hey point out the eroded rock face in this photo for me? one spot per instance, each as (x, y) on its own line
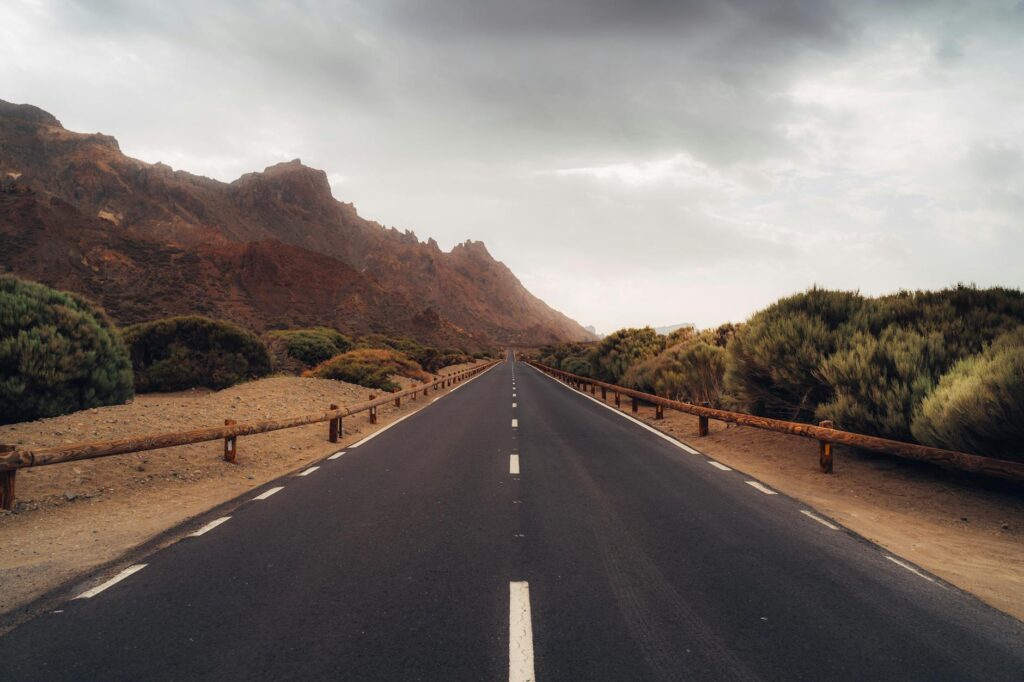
(268, 250)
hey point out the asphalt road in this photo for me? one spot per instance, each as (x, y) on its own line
(600, 551)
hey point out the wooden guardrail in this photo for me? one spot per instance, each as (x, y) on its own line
(824, 433)
(12, 459)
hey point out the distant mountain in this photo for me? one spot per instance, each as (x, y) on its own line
(269, 250)
(672, 327)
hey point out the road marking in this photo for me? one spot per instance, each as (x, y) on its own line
(308, 471)
(520, 634)
(515, 423)
(89, 594)
(268, 493)
(513, 464)
(718, 465)
(656, 432)
(336, 455)
(762, 488)
(910, 568)
(380, 431)
(812, 515)
(210, 526)
(513, 395)
(513, 404)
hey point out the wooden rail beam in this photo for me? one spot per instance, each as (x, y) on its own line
(988, 466)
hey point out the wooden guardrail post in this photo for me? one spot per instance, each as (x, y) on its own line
(332, 426)
(398, 401)
(825, 450)
(230, 443)
(7, 480)
(659, 411)
(373, 411)
(702, 421)
(636, 405)
(604, 393)
(618, 402)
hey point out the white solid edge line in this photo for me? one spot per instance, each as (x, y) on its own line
(513, 464)
(268, 493)
(89, 594)
(656, 432)
(515, 423)
(718, 465)
(760, 486)
(308, 471)
(208, 527)
(520, 633)
(336, 455)
(903, 564)
(824, 522)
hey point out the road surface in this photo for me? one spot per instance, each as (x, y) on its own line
(517, 530)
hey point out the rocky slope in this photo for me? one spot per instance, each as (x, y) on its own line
(269, 250)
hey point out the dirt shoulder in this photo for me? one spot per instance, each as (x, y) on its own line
(965, 530)
(71, 518)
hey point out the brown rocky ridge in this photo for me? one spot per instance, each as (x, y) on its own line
(269, 250)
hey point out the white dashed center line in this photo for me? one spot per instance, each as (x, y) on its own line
(812, 515)
(89, 594)
(513, 404)
(515, 423)
(210, 526)
(520, 634)
(513, 464)
(308, 471)
(268, 493)
(718, 465)
(762, 488)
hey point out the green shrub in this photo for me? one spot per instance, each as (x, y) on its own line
(978, 405)
(308, 347)
(773, 363)
(693, 371)
(617, 352)
(177, 353)
(430, 359)
(370, 367)
(58, 354)
(877, 383)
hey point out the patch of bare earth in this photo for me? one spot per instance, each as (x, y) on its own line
(71, 518)
(968, 531)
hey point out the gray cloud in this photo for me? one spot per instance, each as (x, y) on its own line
(742, 149)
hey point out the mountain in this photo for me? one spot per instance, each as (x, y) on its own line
(269, 250)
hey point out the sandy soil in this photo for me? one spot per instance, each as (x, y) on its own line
(968, 531)
(72, 518)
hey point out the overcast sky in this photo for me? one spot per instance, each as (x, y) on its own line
(632, 162)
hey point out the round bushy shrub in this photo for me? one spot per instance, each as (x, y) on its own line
(618, 351)
(978, 405)
(178, 353)
(693, 370)
(878, 382)
(58, 354)
(308, 347)
(773, 363)
(370, 367)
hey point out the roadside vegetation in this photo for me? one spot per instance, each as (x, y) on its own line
(179, 353)
(58, 353)
(293, 350)
(943, 368)
(371, 367)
